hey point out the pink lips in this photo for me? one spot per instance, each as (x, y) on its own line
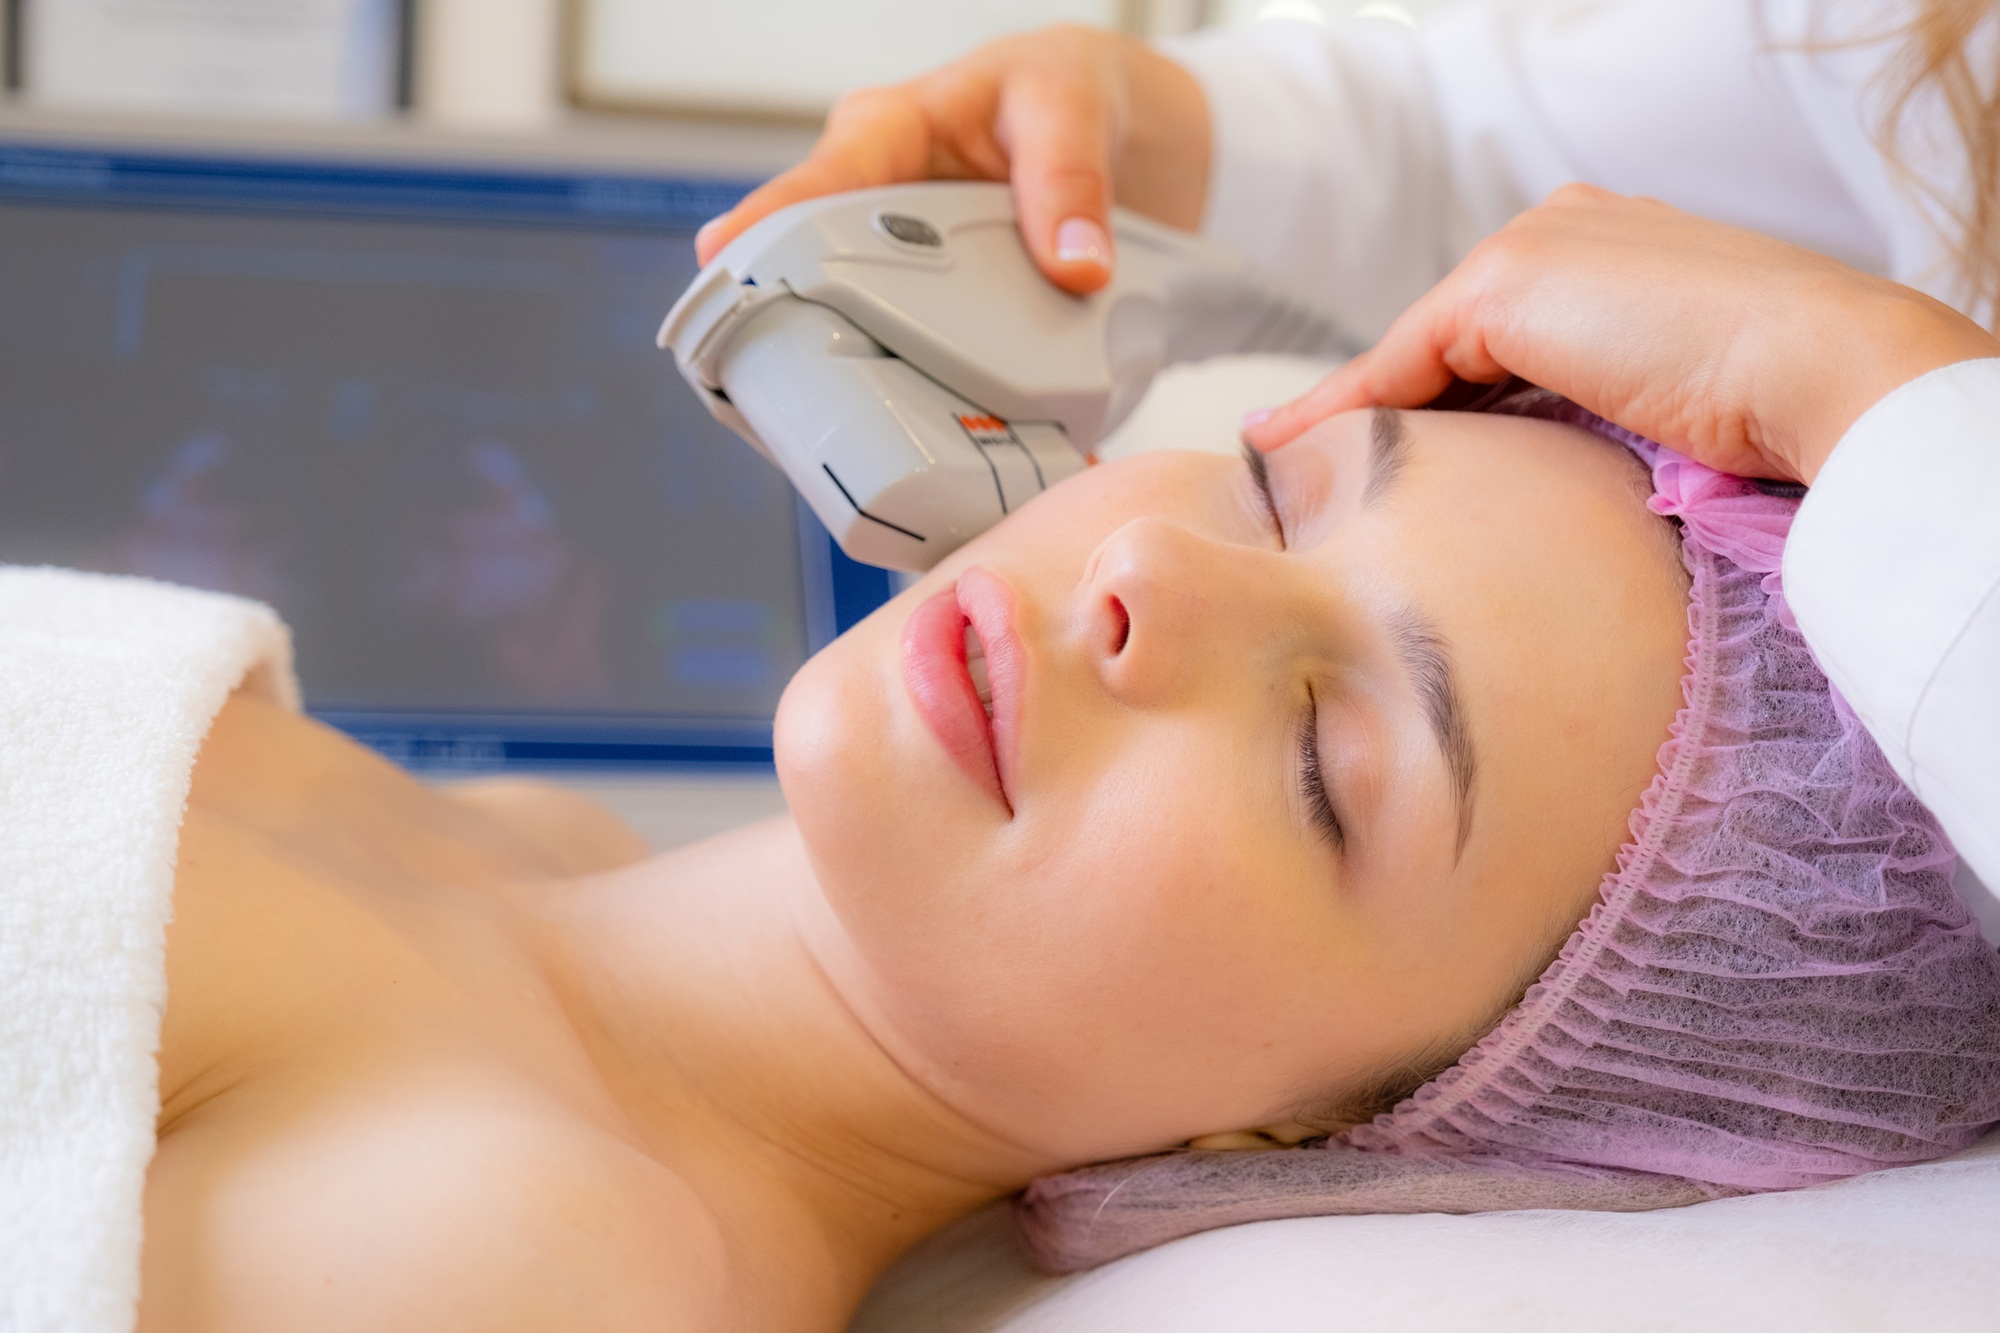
(940, 682)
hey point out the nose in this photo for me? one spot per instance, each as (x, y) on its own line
(1159, 601)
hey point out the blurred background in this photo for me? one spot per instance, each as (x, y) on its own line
(348, 305)
(523, 65)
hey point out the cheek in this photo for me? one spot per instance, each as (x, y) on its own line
(1049, 541)
(827, 771)
(1120, 975)
(1171, 955)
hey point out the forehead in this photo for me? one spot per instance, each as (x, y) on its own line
(1516, 535)
(1522, 540)
(1456, 466)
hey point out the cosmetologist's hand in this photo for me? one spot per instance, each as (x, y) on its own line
(1073, 116)
(1746, 353)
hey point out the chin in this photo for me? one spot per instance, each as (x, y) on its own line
(853, 779)
(817, 740)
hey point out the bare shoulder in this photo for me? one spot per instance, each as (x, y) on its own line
(276, 769)
(572, 833)
(460, 1203)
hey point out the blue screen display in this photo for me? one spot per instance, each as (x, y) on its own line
(421, 413)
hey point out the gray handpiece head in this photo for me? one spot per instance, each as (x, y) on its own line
(899, 356)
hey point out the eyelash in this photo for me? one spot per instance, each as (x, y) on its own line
(1260, 473)
(1312, 779)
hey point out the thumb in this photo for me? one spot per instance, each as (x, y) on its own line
(1058, 140)
(818, 175)
(878, 136)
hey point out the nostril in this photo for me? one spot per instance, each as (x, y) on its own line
(1122, 622)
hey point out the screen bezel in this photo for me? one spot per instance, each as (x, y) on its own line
(836, 591)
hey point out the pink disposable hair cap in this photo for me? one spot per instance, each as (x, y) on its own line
(1777, 986)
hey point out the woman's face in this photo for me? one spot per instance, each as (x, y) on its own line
(1276, 799)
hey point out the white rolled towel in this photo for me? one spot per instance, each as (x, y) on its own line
(107, 687)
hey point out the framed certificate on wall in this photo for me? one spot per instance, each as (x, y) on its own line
(788, 58)
(298, 59)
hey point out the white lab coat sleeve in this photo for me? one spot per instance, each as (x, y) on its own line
(1362, 160)
(1327, 161)
(1893, 570)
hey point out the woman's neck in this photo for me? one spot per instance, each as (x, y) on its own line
(744, 1071)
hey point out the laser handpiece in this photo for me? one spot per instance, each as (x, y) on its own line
(899, 356)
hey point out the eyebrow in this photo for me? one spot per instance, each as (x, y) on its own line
(1426, 657)
(1388, 453)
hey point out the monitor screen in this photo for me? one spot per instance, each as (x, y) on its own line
(421, 413)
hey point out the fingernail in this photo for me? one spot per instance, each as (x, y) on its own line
(1257, 417)
(1081, 241)
(708, 229)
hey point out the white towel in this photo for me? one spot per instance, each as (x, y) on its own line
(107, 687)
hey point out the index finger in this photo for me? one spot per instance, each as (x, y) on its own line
(1343, 390)
(1436, 341)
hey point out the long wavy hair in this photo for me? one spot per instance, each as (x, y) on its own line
(1945, 54)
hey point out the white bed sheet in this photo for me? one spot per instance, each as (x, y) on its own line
(1916, 1248)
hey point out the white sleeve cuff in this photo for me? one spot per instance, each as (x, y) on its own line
(1893, 570)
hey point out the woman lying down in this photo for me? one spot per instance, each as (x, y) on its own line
(1445, 803)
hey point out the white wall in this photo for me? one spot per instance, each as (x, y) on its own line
(1245, 11)
(497, 63)
(490, 64)
(789, 57)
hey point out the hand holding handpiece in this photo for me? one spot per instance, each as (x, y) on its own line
(1748, 354)
(1073, 117)
(896, 353)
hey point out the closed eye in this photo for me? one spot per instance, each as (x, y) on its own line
(1260, 475)
(1312, 780)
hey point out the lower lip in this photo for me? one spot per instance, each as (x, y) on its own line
(940, 685)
